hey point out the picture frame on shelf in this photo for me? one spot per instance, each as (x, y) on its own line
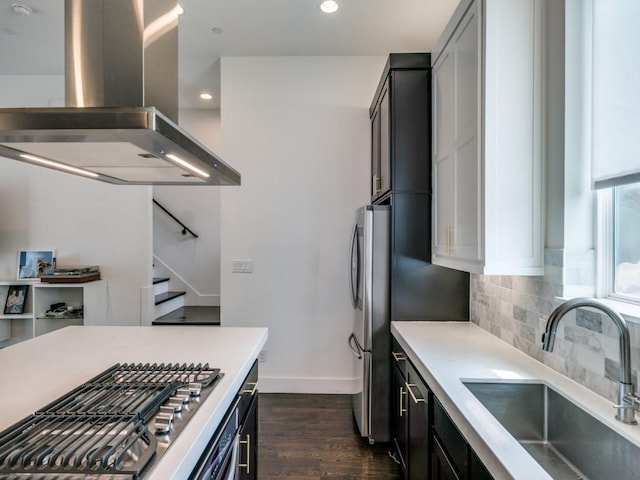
(16, 299)
(33, 264)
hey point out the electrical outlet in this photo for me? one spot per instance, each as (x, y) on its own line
(262, 356)
(242, 266)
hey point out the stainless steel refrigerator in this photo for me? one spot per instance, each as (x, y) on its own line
(391, 278)
(370, 283)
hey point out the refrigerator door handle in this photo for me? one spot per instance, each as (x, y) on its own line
(354, 266)
(355, 349)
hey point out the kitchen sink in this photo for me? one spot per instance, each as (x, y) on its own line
(564, 439)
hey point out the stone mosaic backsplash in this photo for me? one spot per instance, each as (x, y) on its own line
(516, 309)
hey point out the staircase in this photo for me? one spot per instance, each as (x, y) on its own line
(171, 310)
(166, 301)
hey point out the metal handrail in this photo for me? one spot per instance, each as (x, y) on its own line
(185, 229)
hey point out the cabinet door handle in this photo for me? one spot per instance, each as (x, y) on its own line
(374, 184)
(449, 239)
(446, 238)
(403, 409)
(413, 395)
(252, 391)
(246, 442)
(398, 357)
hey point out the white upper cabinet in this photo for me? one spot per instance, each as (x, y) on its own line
(487, 139)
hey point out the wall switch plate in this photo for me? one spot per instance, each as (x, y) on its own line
(262, 356)
(242, 266)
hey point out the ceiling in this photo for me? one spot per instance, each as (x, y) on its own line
(210, 29)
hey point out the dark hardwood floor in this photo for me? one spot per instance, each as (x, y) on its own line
(312, 437)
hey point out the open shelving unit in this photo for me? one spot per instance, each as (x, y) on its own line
(89, 297)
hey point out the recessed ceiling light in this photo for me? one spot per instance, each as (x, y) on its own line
(21, 9)
(217, 30)
(206, 96)
(329, 6)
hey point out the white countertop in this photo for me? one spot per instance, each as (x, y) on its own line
(445, 353)
(37, 371)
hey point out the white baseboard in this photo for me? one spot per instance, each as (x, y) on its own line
(205, 300)
(307, 385)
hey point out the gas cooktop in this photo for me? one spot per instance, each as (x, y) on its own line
(113, 427)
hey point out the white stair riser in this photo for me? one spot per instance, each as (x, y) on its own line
(169, 306)
(161, 287)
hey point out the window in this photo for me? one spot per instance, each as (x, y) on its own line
(626, 241)
(615, 147)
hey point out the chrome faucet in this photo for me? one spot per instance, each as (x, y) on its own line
(628, 402)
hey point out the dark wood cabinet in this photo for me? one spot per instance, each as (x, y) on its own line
(451, 441)
(248, 438)
(248, 391)
(248, 428)
(234, 445)
(418, 400)
(410, 418)
(401, 127)
(379, 166)
(478, 470)
(384, 180)
(399, 416)
(428, 444)
(441, 468)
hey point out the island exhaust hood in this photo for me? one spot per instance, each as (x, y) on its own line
(121, 72)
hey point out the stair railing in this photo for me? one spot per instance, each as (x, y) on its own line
(185, 229)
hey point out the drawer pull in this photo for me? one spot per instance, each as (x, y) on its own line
(413, 395)
(246, 442)
(252, 391)
(398, 357)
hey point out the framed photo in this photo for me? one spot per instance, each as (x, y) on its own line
(16, 299)
(34, 263)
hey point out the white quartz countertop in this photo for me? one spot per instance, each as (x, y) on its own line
(446, 353)
(37, 371)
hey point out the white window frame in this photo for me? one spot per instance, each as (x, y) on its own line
(606, 249)
(605, 269)
(604, 243)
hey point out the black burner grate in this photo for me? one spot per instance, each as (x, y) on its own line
(140, 400)
(98, 430)
(72, 445)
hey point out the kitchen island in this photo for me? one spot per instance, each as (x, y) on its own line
(37, 371)
(449, 354)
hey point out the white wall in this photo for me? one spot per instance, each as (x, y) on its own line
(196, 261)
(297, 129)
(31, 91)
(85, 221)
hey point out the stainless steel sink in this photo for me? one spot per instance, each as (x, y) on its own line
(564, 439)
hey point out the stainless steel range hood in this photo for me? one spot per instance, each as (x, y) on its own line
(121, 71)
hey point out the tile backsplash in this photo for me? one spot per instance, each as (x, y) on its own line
(516, 309)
